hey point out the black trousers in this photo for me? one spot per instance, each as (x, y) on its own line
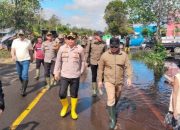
(1, 97)
(49, 68)
(39, 62)
(94, 72)
(74, 87)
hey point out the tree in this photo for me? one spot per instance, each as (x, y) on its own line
(6, 13)
(115, 17)
(19, 14)
(151, 11)
(24, 13)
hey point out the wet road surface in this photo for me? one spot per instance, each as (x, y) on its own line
(141, 108)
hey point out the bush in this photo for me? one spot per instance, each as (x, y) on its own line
(153, 59)
(5, 54)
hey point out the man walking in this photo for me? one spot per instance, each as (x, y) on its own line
(69, 65)
(112, 66)
(94, 51)
(22, 53)
(50, 51)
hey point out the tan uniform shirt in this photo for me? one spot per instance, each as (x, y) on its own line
(113, 66)
(70, 62)
(49, 51)
(94, 51)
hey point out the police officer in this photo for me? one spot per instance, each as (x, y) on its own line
(50, 48)
(69, 66)
(112, 66)
(94, 50)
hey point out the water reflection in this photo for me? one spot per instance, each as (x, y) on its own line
(144, 78)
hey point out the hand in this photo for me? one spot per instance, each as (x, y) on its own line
(129, 83)
(31, 60)
(1, 111)
(175, 114)
(100, 85)
(13, 58)
(57, 77)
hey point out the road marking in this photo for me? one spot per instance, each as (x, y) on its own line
(23, 115)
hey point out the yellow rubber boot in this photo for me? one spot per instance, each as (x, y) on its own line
(65, 105)
(73, 108)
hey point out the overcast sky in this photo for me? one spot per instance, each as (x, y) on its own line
(80, 13)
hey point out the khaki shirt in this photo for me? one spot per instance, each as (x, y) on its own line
(70, 62)
(49, 51)
(94, 51)
(111, 67)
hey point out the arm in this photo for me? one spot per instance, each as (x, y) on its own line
(31, 51)
(174, 96)
(100, 73)
(43, 47)
(58, 63)
(87, 52)
(128, 70)
(82, 61)
(13, 52)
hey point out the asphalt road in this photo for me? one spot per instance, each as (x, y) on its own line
(41, 108)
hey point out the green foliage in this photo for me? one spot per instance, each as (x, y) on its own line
(145, 32)
(177, 30)
(153, 59)
(163, 32)
(5, 54)
(115, 17)
(140, 11)
(18, 13)
(6, 13)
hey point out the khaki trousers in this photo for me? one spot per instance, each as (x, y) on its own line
(113, 93)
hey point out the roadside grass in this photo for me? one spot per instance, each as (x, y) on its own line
(5, 54)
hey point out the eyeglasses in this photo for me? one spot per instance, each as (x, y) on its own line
(21, 35)
(114, 46)
(70, 38)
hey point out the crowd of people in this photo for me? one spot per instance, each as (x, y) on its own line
(65, 59)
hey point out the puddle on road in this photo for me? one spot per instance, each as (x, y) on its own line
(156, 90)
(134, 106)
(147, 91)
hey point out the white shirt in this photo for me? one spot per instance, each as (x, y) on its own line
(108, 43)
(22, 48)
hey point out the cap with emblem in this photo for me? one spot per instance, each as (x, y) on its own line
(21, 32)
(114, 42)
(48, 33)
(72, 35)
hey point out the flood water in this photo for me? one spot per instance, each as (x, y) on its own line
(156, 89)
